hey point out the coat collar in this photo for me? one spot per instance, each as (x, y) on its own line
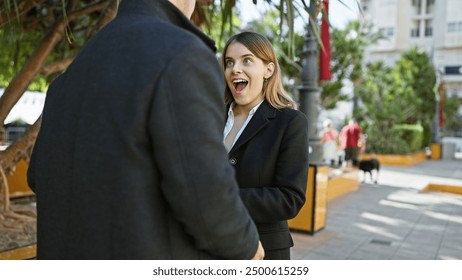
(262, 117)
(166, 11)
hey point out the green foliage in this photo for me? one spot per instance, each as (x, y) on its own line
(15, 52)
(396, 139)
(419, 75)
(412, 134)
(347, 51)
(451, 120)
(21, 36)
(381, 141)
(220, 22)
(398, 95)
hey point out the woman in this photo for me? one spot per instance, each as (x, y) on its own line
(266, 138)
(330, 140)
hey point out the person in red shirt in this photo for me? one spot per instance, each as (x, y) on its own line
(350, 137)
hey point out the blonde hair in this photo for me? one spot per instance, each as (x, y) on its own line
(273, 91)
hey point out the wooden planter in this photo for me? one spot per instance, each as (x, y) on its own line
(399, 160)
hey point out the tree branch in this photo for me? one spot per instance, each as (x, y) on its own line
(22, 8)
(57, 66)
(34, 64)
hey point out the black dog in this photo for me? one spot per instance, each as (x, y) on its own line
(367, 166)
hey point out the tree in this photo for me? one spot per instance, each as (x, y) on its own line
(385, 99)
(348, 46)
(41, 38)
(397, 95)
(415, 66)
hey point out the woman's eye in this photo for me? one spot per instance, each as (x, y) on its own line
(247, 60)
(229, 63)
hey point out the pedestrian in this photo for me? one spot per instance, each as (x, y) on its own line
(267, 140)
(330, 140)
(129, 162)
(350, 137)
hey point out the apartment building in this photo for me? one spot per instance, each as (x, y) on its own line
(433, 25)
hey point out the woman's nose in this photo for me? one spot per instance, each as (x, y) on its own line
(237, 68)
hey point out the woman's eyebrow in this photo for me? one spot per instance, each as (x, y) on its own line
(247, 55)
(242, 56)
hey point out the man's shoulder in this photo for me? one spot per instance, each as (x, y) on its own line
(160, 32)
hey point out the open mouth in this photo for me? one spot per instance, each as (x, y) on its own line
(240, 84)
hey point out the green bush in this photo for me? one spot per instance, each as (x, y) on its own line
(412, 134)
(400, 139)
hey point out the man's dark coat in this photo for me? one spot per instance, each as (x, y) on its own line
(129, 162)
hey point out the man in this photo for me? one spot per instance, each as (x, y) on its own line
(350, 137)
(129, 162)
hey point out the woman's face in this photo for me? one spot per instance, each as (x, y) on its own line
(244, 74)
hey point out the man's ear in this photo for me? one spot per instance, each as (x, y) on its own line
(269, 70)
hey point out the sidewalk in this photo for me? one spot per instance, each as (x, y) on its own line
(392, 220)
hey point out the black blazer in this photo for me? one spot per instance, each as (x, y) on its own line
(129, 162)
(271, 162)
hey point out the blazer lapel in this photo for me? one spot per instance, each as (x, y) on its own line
(261, 118)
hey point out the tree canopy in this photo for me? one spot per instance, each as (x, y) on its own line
(393, 96)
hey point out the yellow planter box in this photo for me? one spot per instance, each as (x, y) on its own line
(319, 190)
(406, 160)
(17, 182)
(443, 188)
(312, 216)
(345, 183)
(23, 253)
(436, 151)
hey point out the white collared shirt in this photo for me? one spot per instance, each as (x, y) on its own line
(230, 122)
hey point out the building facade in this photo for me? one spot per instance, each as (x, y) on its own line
(432, 25)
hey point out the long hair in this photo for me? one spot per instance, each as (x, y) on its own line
(273, 91)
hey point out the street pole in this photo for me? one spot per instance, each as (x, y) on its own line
(309, 90)
(436, 119)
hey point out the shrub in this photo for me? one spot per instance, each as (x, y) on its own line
(400, 139)
(412, 134)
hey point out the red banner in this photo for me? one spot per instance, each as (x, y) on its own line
(442, 93)
(324, 54)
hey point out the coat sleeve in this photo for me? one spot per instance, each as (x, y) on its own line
(286, 196)
(186, 124)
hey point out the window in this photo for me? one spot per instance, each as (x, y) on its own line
(390, 31)
(428, 28)
(417, 5)
(415, 32)
(430, 6)
(452, 27)
(387, 31)
(428, 32)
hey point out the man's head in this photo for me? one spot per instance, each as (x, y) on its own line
(186, 6)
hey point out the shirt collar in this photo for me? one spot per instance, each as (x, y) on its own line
(251, 113)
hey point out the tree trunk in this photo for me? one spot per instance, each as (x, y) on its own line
(31, 69)
(17, 151)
